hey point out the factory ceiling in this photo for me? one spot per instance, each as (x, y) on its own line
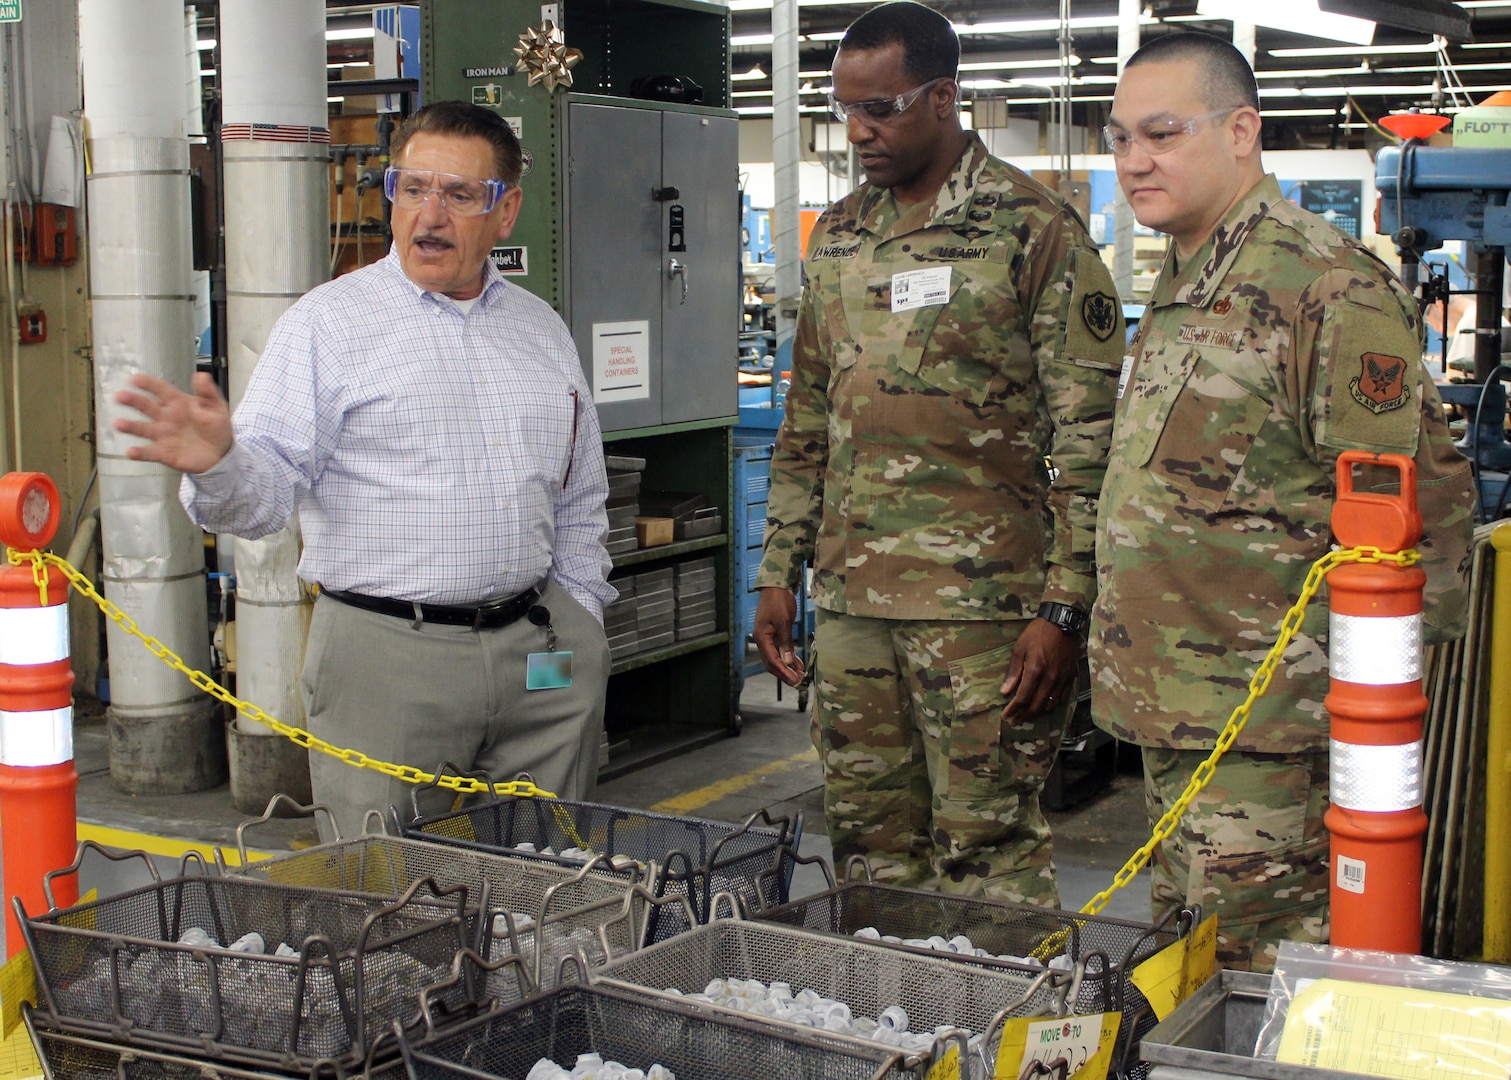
(1315, 93)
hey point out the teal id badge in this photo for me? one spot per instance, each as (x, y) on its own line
(548, 670)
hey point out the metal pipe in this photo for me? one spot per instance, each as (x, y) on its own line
(785, 234)
(83, 539)
(277, 193)
(1498, 761)
(165, 735)
(1122, 213)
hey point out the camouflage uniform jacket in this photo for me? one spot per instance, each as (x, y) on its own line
(1280, 344)
(943, 350)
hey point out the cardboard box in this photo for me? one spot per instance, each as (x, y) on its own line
(654, 531)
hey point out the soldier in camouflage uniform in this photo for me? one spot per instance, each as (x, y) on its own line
(957, 327)
(1271, 343)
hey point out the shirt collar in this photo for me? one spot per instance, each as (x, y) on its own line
(493, 278)
(1201, 280)
(881, 214)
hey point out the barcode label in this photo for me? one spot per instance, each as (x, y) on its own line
(1350, 874)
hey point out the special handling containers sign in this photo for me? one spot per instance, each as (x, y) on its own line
(621, 371)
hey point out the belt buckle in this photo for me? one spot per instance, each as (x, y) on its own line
(485, 611)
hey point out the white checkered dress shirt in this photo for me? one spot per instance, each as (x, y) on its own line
(427, 451)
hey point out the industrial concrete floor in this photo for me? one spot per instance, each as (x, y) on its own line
(771, 765)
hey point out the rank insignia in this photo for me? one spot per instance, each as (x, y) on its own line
(1380, 385)
(1100, 313)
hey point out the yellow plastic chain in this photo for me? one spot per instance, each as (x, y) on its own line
(463, 785)
(1257, 686)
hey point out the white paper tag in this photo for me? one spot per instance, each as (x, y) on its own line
(920, 288)
(1350, 874)
(1123, 378)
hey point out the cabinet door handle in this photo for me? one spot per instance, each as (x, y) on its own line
(677, 268)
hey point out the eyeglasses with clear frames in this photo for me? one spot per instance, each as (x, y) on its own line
(465, 196)
(880, 110)
(1156, 137)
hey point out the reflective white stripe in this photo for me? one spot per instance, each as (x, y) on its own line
(36, 738)
(34, 635)
(1378, 779)
(1375, 651)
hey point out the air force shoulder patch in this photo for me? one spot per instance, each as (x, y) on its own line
(1380, 385)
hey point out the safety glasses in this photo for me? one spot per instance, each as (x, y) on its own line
(465, 196)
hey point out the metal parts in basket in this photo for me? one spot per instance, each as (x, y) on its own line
(638, 1030)
(865, 976)
(116, 969)
(694, 858)
(1004, 929)
(593, 909)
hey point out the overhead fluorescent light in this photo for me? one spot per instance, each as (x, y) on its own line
(1015, 65)
(755, 74)
(350, 33)
(1298, 112)
(829, 35)
(1038, 26)
(1486, 44)
(736, 40)
(1295, 16)
(1311, 73)
(1340, 50)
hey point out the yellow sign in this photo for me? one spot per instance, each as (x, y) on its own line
(18, 1058)
(947, 1067)
(18, 983)
(1081, 1046)
(1393, 1031)
(1178, 970)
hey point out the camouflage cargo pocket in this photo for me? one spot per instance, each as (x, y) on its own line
(1262, 898)
(974, 751)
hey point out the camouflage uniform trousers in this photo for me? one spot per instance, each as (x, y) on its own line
(1251, 849)
(921, 776)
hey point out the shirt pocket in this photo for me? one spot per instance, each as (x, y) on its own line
(958, 346)
(1146, 404)
(1210, 426)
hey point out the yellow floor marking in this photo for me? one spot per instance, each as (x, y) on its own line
(159, 845)
(692, 800)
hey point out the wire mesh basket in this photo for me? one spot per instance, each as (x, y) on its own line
(1004, 929)
(638, 1031)
(174, 966)
(696, 859)
(867, 977)
(76, 1057)
(554, 911)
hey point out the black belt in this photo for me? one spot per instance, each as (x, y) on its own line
(483, 617)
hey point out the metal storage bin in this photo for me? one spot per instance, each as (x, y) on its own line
(593, 908)
(867, 977)
(1008, 929)
(692, 858)
(1211, 1036)
(639, 1031)
(115, 968)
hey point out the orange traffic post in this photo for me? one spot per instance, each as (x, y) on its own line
(1376, 704)
(38, 783)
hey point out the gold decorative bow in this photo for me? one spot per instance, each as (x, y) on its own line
(543, 54)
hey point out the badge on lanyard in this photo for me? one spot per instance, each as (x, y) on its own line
(549, 670)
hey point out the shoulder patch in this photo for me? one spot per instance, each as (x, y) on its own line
(1099, 311)
(1380, 385)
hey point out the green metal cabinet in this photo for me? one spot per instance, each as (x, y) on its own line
(616, 188)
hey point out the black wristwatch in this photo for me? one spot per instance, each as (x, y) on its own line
(1067, 617)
